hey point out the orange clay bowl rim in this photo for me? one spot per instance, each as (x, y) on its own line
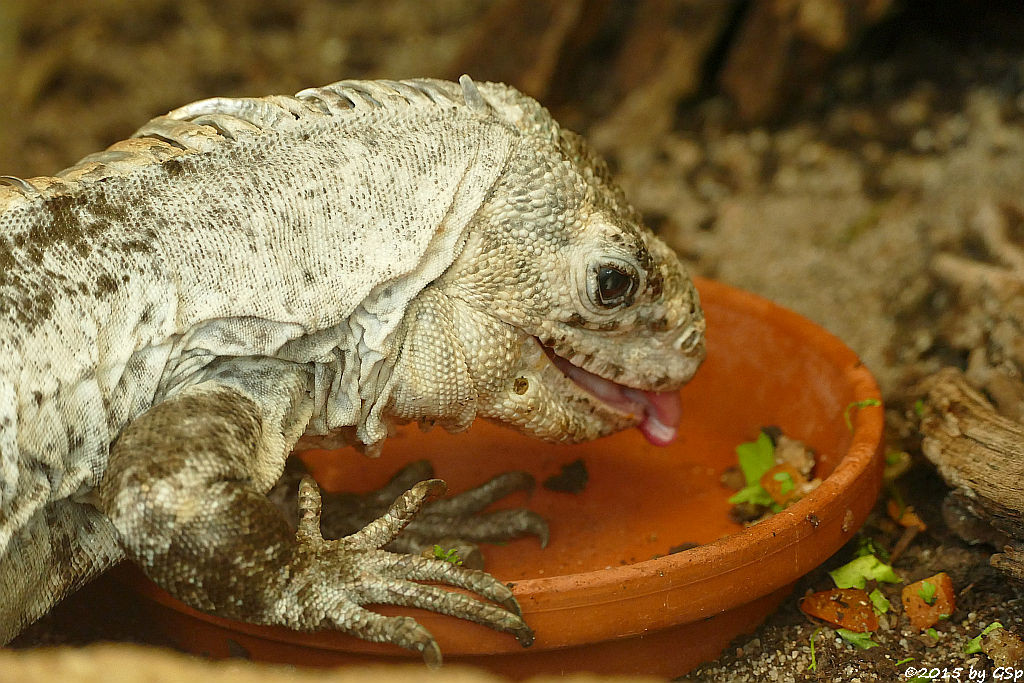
(734, 570)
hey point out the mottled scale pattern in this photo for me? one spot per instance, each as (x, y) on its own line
(323, 266)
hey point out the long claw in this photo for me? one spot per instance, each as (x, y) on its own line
(403, 480)
(525, 636)
(488, 527)
(383, 530)
(476, 499)
(436, 599)
(405, 632)
(431, 653)
(512, 605)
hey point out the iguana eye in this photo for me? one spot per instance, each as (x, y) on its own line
(615, 285)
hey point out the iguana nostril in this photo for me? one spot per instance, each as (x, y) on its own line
(689, 341)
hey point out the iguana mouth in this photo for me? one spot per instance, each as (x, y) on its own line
(661, 410)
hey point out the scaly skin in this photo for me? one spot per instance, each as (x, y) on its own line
(178, 311)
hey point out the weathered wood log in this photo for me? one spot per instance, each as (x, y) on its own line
(784, 47)
(658, 52)
(980, 454)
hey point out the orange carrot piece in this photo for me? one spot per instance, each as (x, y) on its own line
(848, 608)
(905, 516)
(783, 483)
(928, 600)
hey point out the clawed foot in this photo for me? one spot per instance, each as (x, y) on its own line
(339, 577)
(458, 518)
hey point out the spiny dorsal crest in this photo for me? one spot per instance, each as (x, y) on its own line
(205, 125)
(234, 117)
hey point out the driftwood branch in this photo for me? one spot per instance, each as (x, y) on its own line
(980, 454)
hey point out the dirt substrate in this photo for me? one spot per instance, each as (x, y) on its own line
(781, 649)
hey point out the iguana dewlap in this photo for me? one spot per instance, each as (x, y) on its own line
(177, 311)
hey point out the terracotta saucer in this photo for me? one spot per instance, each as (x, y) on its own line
(605, 595)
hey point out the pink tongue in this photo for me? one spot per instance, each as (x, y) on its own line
(662, 411)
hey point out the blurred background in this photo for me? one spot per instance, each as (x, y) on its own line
(858, 161)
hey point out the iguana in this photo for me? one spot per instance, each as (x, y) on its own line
(244, 277)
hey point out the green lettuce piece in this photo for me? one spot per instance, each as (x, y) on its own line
(754, 493)
(756, 458)
(879, 601)
(450, 555)
(857, 405)
(785, 480)
(861, 640)
(869, 546)
(855, 574)
(973, 645)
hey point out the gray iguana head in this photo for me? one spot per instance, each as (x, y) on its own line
(563, 316)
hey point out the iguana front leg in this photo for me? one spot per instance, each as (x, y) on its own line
(186, 488)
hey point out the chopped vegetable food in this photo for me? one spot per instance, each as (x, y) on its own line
(855, 574)
(857, 405)
(774, 475)
(904, 515)
(756, 458)
(861, 640)
(754, 493)
(927, 592)
(879, 601)
(869, 546)
(449, 555)
(973, 645)
(922, 613)
(1006, 650)
(848, 608)
(783, 483)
